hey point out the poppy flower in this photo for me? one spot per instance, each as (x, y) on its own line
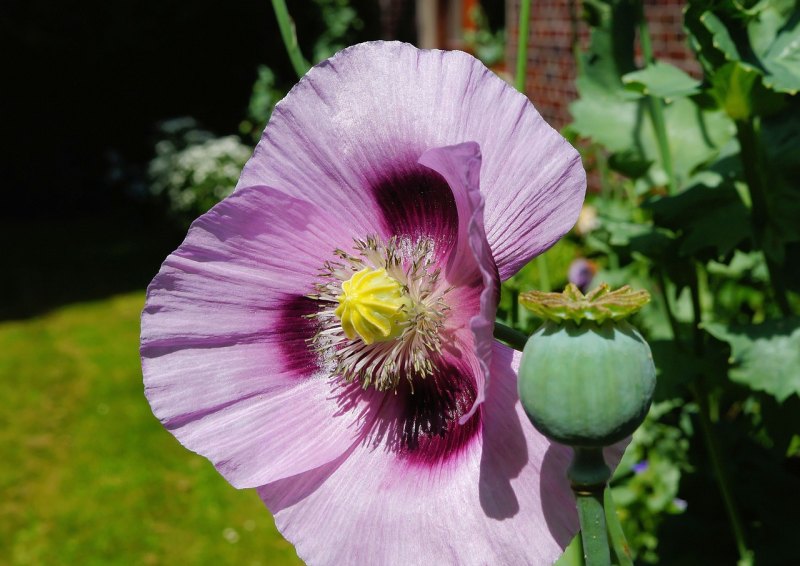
(324, 334)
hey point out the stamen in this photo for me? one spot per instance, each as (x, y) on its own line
(381, 312)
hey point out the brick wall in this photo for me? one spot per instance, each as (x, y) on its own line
(556, 25)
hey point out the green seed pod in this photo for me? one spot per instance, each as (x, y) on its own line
(587, 376)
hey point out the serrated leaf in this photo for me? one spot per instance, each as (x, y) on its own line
(701, 38)
(720, 36)
(775, 37)
(662, 80)
(765, 357)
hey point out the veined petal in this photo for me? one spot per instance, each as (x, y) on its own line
(471, 263)
(507, 488)
(225, 355)
(349, 134)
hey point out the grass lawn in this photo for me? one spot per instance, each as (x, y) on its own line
(88, 475)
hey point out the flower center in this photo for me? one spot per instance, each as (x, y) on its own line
(381, 313)
(372, 306)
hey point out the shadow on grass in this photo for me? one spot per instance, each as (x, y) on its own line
(53, 262)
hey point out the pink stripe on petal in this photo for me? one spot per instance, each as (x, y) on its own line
(367, 114)
(420, 422)
(504, 500)
(225, 355)
(416, 202)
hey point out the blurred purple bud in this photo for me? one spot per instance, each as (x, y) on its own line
(581, 272)
(640, 467)
(680, 504)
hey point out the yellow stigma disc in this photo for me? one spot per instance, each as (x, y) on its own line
(372, 306)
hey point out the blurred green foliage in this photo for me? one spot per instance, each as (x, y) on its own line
(342, 23)
(193, 169)
(488, 45)
(700, 205)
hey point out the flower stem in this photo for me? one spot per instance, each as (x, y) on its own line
(522, 43)
(673, 322)
(656, 106)
(588, 474)
(748, 134)
(290, 37)
(714, 454)
(510, 336)
(701, 396)
(616, 535)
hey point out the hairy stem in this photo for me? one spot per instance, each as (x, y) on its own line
(616, 535)
(290, 37)
(588, 474)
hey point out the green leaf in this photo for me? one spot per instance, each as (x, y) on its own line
(732, 87)
(711, 222)
(701, 38)
(609, 117)
(766, 37)
(766, 356)
(617, 118)
(611, 52)
(630, 163)
(780, 135)
(695, 136)
(780, 57)
(623, 127)
(720, 36)
(675, 368)
(606, 111)
(662, 80)
(770, 17)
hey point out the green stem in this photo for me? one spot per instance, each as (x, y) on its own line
(698, 340)
(702, 398)
(522, 43)
(510, 336)
(748, 134)
(615, 533)
(514, 307)
(656, 107)
(715, 456)
(544, 273)
(588, 474)
(290, 37)
(593, 529)
(673, 322)
(606, 187)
